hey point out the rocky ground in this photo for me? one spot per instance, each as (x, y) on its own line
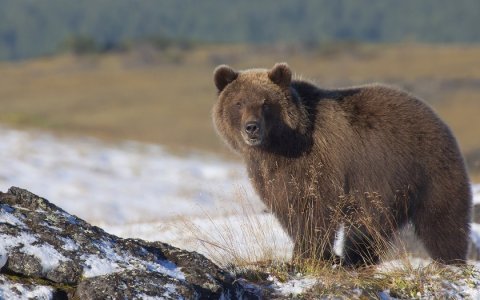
(47, 253)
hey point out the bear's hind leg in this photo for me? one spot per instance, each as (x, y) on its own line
(441, 221)
(444, 239)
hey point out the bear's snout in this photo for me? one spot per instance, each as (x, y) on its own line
(252, 133)
(252, 128)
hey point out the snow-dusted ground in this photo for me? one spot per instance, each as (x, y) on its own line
(120, 184)
(138, 190)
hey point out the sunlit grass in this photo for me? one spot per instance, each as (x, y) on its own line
(153, 98)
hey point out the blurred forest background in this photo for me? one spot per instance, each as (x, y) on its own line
(142, 70)
(30, 28)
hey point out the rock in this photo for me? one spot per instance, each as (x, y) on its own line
(40, 241)
(133, 284)
(23, 264)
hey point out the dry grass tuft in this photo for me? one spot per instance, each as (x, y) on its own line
(246, 236)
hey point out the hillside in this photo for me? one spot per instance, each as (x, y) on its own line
(35, 28)
(165, 96)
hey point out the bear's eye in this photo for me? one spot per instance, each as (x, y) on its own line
(238, 104)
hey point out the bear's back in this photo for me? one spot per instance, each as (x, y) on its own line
(374, 110)
(366, 130)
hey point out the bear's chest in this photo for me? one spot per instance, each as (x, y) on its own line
(278, 179)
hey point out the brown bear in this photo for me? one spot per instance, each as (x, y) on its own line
(358, 162)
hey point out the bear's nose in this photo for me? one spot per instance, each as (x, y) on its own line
(252, 128)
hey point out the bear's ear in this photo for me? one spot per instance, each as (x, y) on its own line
(223, 75)
(280, 74)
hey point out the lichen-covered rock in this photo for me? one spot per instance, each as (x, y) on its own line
(38, 240)
(133, 284)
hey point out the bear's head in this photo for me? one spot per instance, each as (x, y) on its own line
(256, 107)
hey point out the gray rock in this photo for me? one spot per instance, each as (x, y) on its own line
(23, 264)
(133, 284)
(40, 241)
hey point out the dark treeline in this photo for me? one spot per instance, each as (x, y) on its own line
(31, 28)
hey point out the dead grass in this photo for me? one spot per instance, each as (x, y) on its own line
(244, 237)
(400, 280)
(256, 259)
(151, 98)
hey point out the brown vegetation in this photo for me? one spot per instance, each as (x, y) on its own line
(165, 97)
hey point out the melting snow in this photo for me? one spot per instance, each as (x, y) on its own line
(96, 266)
(293, 287)
(47, 255)
(69, 244)
(7, 217)
(110, 262)
(14, 291)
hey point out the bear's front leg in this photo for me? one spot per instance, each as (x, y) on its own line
(314, 247)
(361, 248)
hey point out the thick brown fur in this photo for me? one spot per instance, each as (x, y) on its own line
(370, 158)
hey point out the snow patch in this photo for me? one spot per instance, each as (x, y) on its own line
(14, 291)
(110, 262)
(7, 217)
(165, 267)
(96, 266)
(294, 286)
(69, 244)
(47, 255)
